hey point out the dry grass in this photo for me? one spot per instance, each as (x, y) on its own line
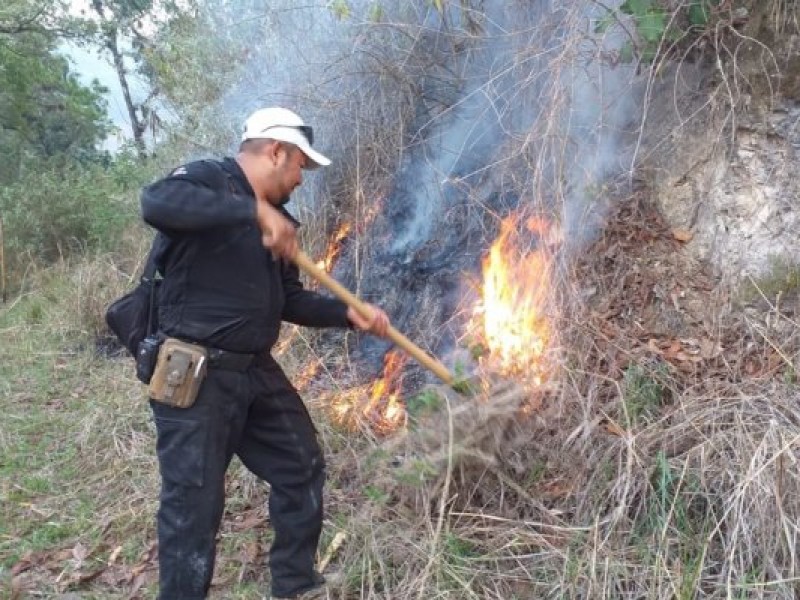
(654, 464)
(659, 460)
(591, 495)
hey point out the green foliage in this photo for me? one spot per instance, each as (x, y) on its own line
(123, 31)
(426, 402)
(536, 473)
(376, 494)
(53, 210)
(191, 68)
(750, 583)
(376, 12)
(666, 494)
(29, 16)
(340, 9)
(700, 12)
(650, 19)
(44, 111)
(654, 24)
(677, 504)
(478, 350)
(781, 279)
(52, 192)
(465, 387)
(676, 519)
(459, 548)
(642, 393)
(461, 381)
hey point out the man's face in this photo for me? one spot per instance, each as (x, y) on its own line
(290, 170)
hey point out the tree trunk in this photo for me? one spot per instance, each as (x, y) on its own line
(137, 125)
(111, 33)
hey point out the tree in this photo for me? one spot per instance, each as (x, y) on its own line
(123, 29)
(45, 112)
(29, 16)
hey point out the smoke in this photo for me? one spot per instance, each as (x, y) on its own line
(456, 118)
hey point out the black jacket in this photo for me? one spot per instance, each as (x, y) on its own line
(221, 287)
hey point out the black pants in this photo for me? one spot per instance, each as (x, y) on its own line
(258, 416)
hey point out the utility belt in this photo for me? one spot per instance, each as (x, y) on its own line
(175, 370)
(230, 361)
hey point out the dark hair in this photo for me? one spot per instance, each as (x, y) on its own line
(256, 145)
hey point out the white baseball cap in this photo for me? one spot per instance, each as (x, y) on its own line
(282, 124)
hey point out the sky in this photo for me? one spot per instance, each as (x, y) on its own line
(90, 64)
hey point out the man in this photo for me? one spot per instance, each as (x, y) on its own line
(228, 283)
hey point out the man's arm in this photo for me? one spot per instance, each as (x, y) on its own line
(307, 308)
(304, 307)
(197, 196)
(192, 198)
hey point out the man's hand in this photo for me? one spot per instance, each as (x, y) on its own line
(277, 232)
(378, 324)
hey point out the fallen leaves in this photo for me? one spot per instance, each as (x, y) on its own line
(686, 349)
(682, 235)
(73, 567)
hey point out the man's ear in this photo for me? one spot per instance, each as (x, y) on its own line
(273, 151)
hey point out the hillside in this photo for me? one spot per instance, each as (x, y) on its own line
(631, 432)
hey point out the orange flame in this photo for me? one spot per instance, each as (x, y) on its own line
(385, 401)
(306, 376)
(510, 316)
(335, 247)
(377, 405)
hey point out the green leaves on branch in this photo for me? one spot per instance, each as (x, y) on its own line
(191, 69)
(53, 210)
(653, 25)
(342, 10)
(45, 112)
(700, 12)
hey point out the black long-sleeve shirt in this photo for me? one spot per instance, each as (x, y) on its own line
(221, 287)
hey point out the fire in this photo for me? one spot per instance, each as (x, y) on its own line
(385, 400)
(307, 375)
(510, 316)
(335, 247)
(377, 405)
(367, 216)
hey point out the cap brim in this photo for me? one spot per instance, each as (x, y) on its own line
(315, 159)
(293, 136)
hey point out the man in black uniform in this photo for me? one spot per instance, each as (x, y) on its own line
(228, 284)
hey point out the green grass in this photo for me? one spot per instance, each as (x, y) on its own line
(780, 280)
(643, 393)
(78, 478)
(68, 415)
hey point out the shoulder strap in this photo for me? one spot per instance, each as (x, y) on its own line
(155, 259)
(151, 268)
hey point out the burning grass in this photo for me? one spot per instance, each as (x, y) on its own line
(658, 459)
(661, 460)
(511, 317)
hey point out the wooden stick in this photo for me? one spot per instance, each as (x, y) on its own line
(334, 546)
(430, 363)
